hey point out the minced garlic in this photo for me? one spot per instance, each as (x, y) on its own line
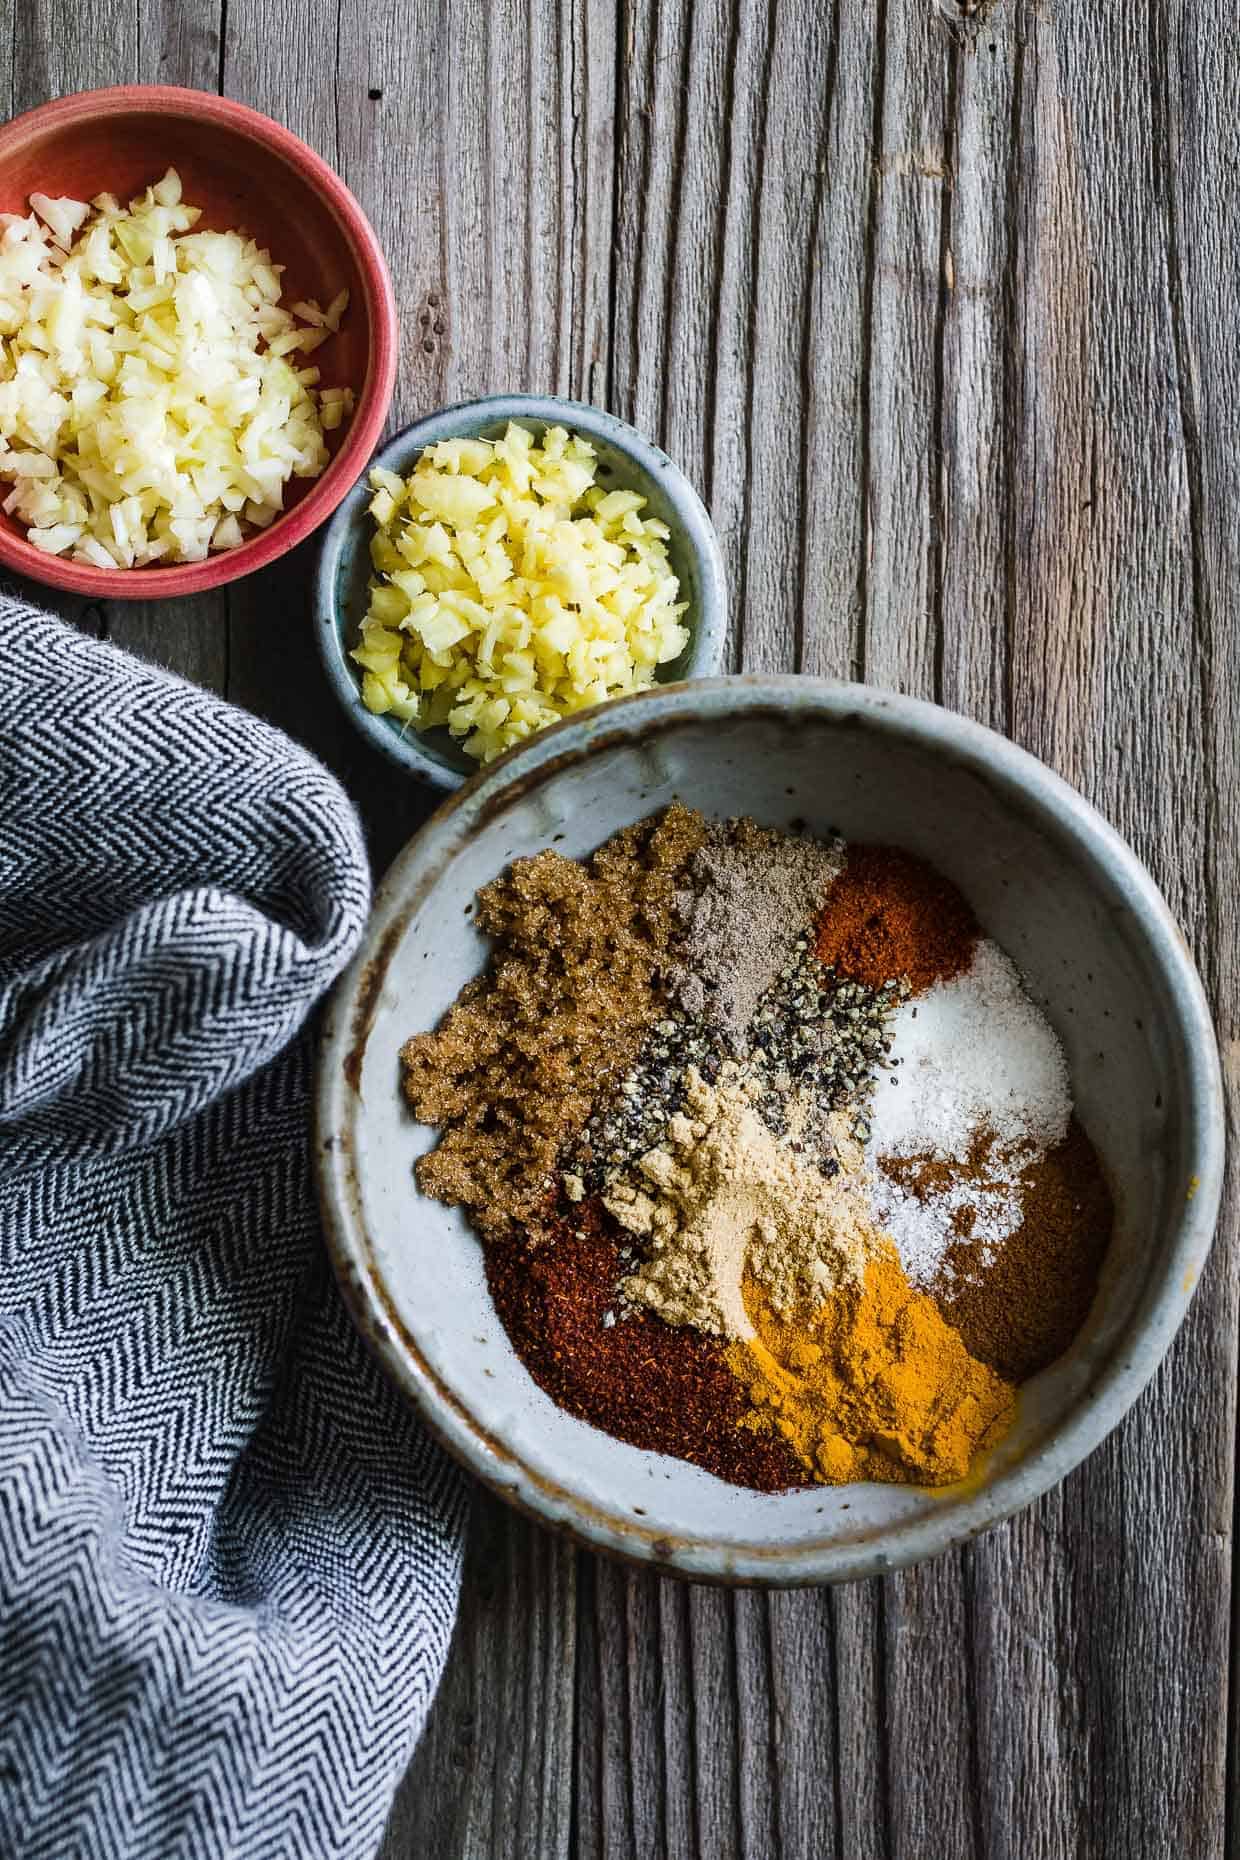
(510, 590)
(153, 406)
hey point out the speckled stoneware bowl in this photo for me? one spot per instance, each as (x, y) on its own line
(626, 462)
(1046, 876)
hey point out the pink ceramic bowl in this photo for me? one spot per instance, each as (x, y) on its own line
(247, 174)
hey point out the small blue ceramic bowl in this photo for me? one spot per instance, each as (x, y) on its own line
(626, 462)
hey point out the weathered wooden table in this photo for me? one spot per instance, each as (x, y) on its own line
(938, 304)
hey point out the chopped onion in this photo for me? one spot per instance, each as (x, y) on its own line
(149, 410)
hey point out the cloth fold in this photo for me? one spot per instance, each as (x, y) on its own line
(229, 1558)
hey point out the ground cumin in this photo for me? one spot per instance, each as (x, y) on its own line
(1019, 1307)
(890, 914)
(667, 1390)
(515, 1064)
(874, 1384)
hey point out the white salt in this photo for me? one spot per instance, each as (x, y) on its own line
(975, 1055)
(973, 1052)
(925, 1227)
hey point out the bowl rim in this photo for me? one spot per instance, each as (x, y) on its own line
(1016, 775)
(373, 401)
(709, 639)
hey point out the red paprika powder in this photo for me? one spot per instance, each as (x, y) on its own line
(889, 914)
(665, 1388)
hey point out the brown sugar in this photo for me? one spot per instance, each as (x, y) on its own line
(515, 1064)
(890, 914)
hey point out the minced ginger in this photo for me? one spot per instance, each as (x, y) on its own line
(511, 590)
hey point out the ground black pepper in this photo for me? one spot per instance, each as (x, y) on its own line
(631, 1117)
(813, 1035)
(821, 1036)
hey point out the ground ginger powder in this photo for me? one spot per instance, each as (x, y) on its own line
(721, 1197)
(874, 1385)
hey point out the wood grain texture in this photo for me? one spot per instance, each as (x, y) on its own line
(981, 388)
(936, 301)
(494, 1771)
(57, 49)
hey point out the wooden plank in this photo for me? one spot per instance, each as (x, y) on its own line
(911, 179)
(727, 1726)
(65, 48)
(833, 549)
(55, 51)
(991, 1676)
(928, 1730)
(484, 162)
(677, 1721)
(974, 458)
(863, 1756)
(493, 1773)
(1078, 1658)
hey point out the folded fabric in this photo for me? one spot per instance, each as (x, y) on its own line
(229, 1557)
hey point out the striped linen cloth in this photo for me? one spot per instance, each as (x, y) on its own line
(229, 1558)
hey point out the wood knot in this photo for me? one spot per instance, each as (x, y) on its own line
(432, 323)
(964, 19)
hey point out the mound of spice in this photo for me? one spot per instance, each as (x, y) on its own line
(514, 1068)
(1019, 1303)
(722, 1197)
(890, 914)
(771, 1153)
(669, 1391)
(874, 1384)
(750, 893)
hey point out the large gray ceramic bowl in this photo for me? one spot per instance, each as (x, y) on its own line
(626, 461)
(1046, 876)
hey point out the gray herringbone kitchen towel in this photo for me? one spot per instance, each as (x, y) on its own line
(228, 1557)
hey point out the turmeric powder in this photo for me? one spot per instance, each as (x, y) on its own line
(875, 1384)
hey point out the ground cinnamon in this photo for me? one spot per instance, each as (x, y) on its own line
(889, 914)
(1018, 1305)
(1020, 1308)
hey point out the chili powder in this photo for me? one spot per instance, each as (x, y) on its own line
(889, 914)
(666, 1389)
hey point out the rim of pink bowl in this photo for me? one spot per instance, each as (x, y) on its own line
(373, 402)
